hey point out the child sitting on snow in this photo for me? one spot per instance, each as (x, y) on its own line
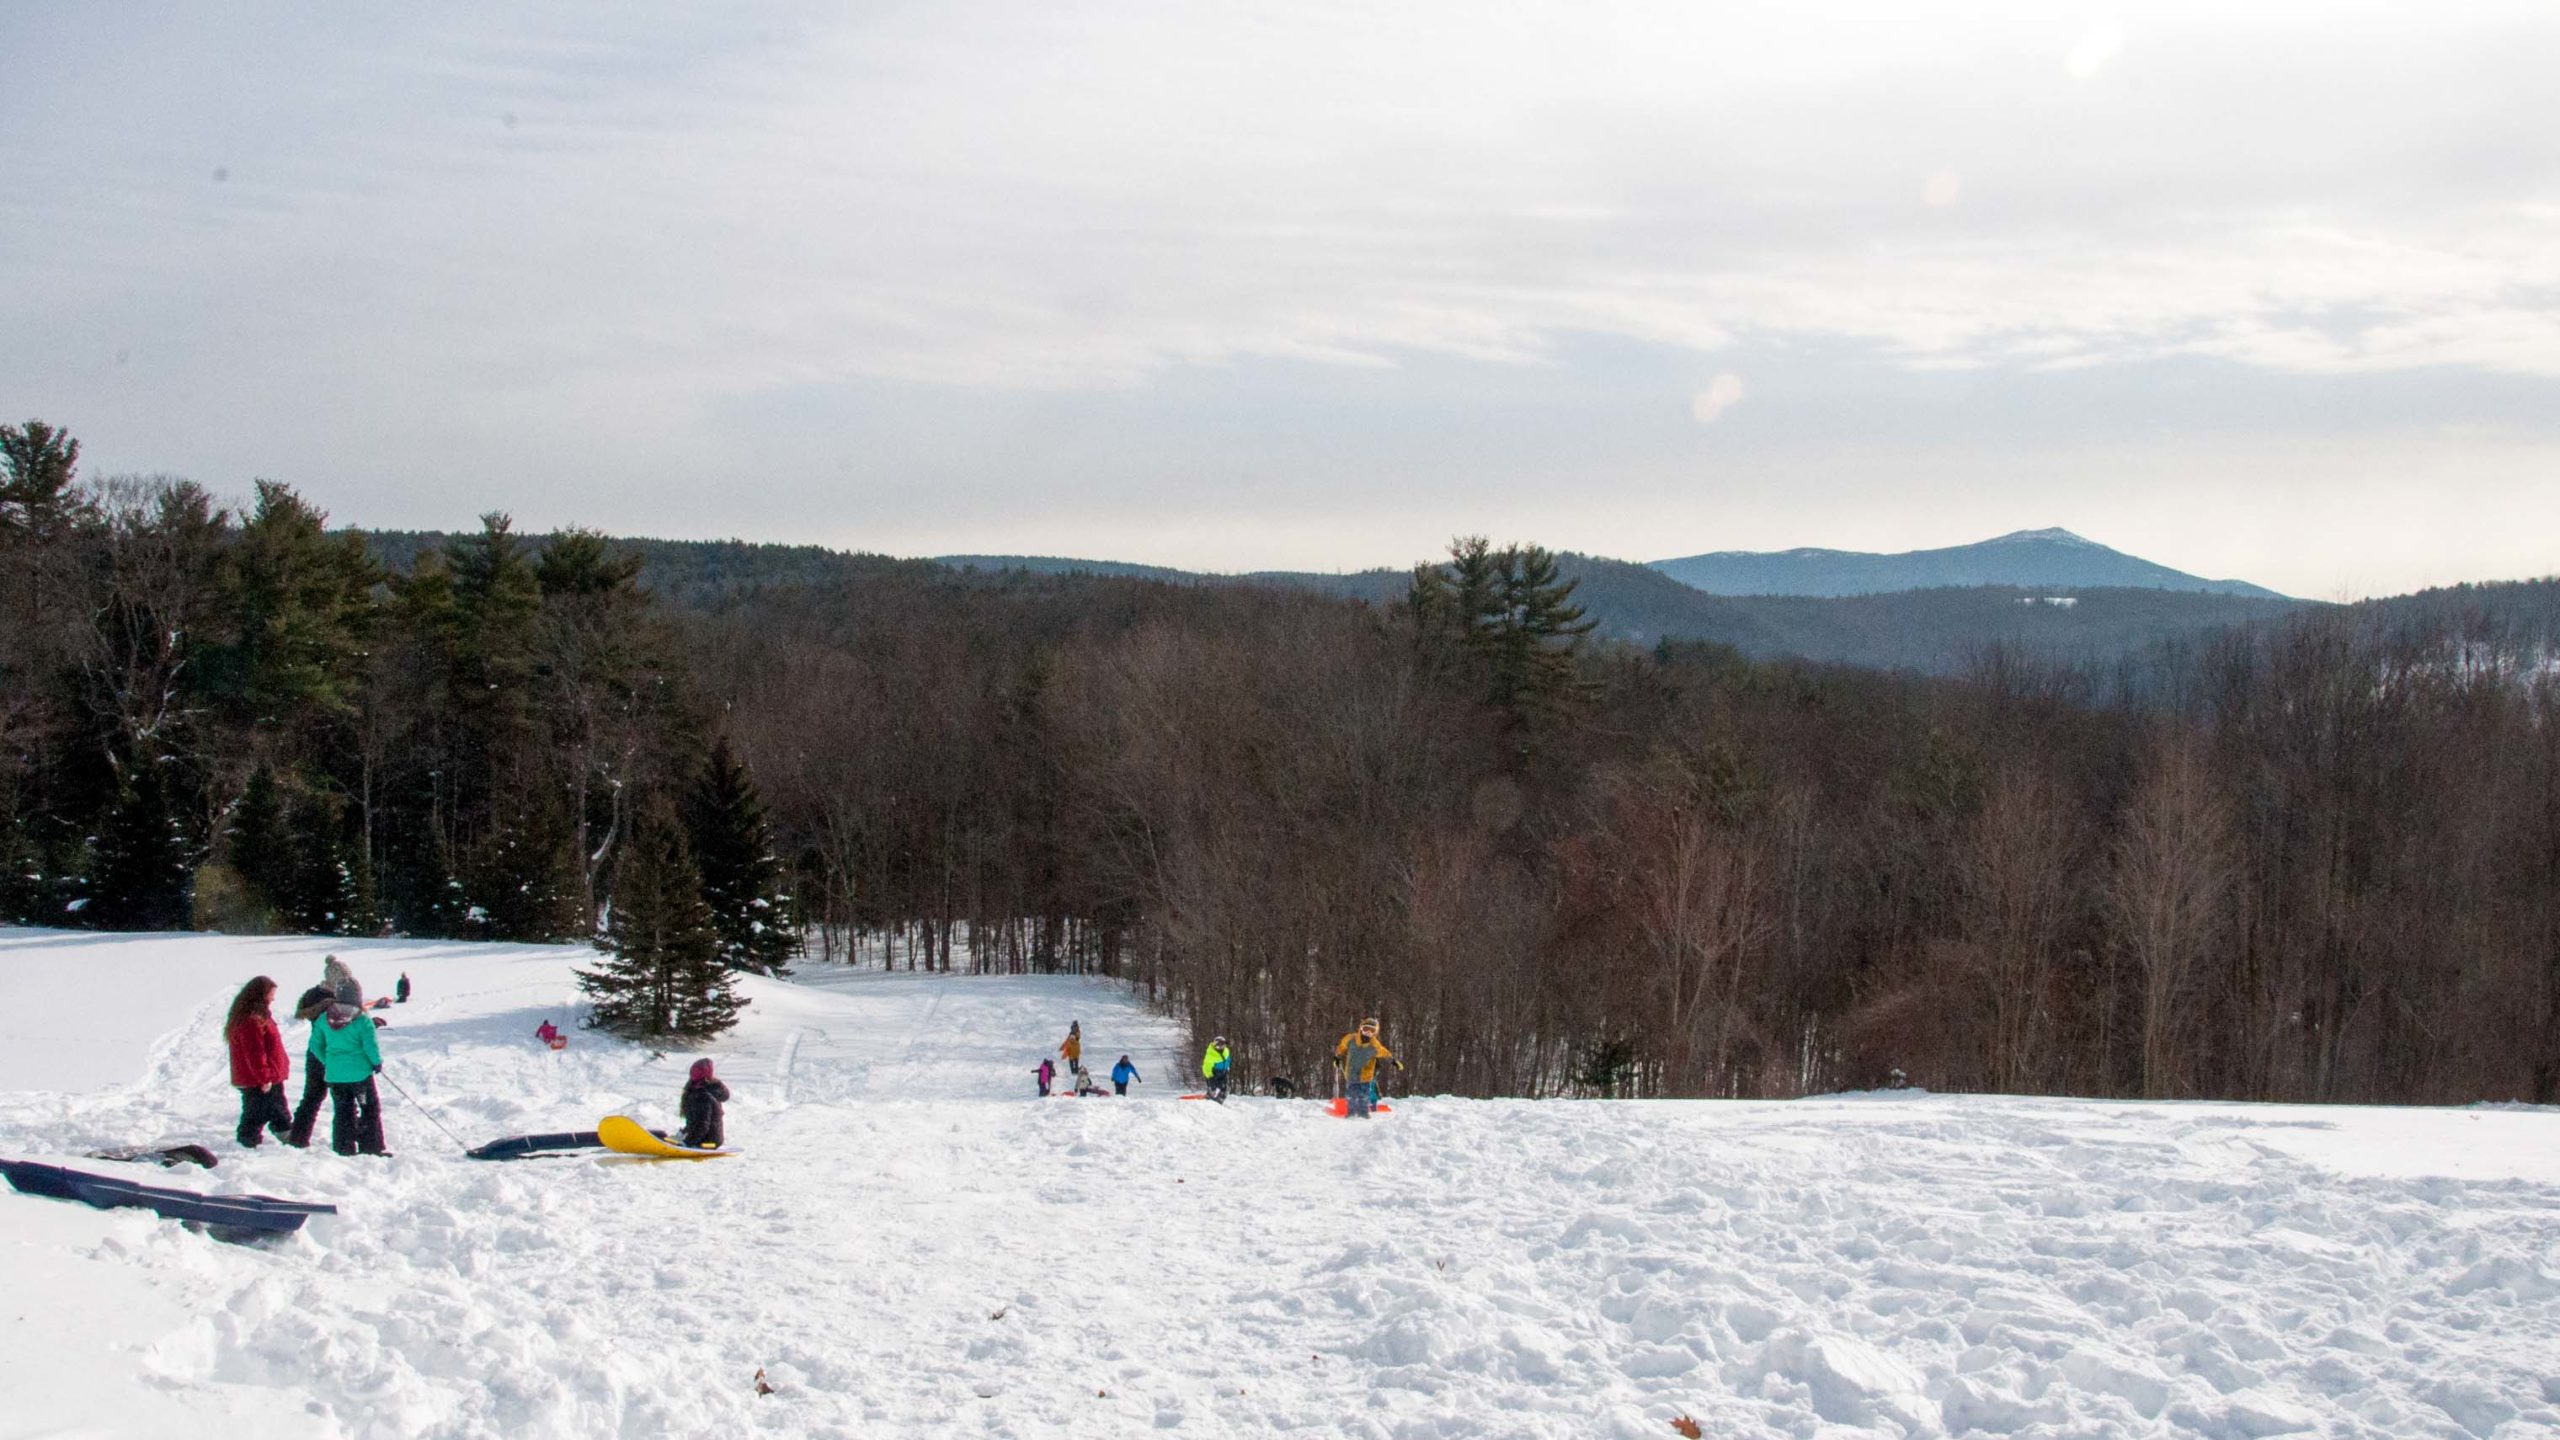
(703, 1097)
(1084, 1082)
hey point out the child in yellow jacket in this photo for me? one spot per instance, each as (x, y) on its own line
(1356, 1057)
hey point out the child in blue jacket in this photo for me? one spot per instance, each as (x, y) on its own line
(1122, 1074)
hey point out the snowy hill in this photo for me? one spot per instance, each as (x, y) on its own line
(909, 1244)
(2030, 558)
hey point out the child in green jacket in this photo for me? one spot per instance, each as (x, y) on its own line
(342, 1040)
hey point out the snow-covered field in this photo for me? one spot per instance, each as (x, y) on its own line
(911, 1245)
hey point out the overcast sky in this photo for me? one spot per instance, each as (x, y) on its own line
(2266, 290)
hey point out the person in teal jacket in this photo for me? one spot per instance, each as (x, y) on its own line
(1214, 1064)
(342, 1041)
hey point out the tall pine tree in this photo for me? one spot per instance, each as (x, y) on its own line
(323, 898)
(741, 877)
(664, 977)
(1505, 621)
(421, 895)
(261, 845)
(1533, 640)
(522, 877)
(37, 466)
(140, 876)
(299, 602)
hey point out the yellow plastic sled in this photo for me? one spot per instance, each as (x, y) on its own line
(621, 1132)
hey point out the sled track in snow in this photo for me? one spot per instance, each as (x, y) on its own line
(784, 1063)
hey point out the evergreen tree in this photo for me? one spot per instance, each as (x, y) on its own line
(594, 677)
(363, 914)
(1505, 621)
(37, 466)
(321, 898)
(261, 844)
(426, 898)
(664, 976)
(741, 877)
(1535, 634)
(583, 563)
(139, 877)
(300, 602)
(522, 879)
(489, 599)
(495, 596)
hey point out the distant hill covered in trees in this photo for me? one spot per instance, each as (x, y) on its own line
(1937, 631)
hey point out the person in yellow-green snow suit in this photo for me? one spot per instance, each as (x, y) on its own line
(1214, 1063)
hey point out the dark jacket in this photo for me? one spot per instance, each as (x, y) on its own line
(701, 1110)
(313, 1001)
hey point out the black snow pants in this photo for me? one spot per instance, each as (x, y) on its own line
(263, 1108)
(355, 1120)
(306, 1115)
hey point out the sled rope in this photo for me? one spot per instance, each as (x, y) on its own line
(423, 1110)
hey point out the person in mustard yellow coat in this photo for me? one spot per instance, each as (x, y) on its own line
(1355, 1058)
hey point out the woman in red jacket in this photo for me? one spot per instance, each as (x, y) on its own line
(258, 1064)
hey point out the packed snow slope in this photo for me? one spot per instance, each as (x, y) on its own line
(907, 1243)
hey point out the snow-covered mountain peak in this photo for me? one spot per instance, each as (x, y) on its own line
(2054, 535)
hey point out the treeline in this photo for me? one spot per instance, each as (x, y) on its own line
(2316, 859)
(239, 721)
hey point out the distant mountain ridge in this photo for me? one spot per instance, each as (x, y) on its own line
(1933, 631)
(1938, 629)
(2029, 559)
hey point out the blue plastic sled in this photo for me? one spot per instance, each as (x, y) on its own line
(235, 1214)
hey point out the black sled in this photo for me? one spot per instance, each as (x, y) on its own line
(537, 1147)
(167, 1157)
